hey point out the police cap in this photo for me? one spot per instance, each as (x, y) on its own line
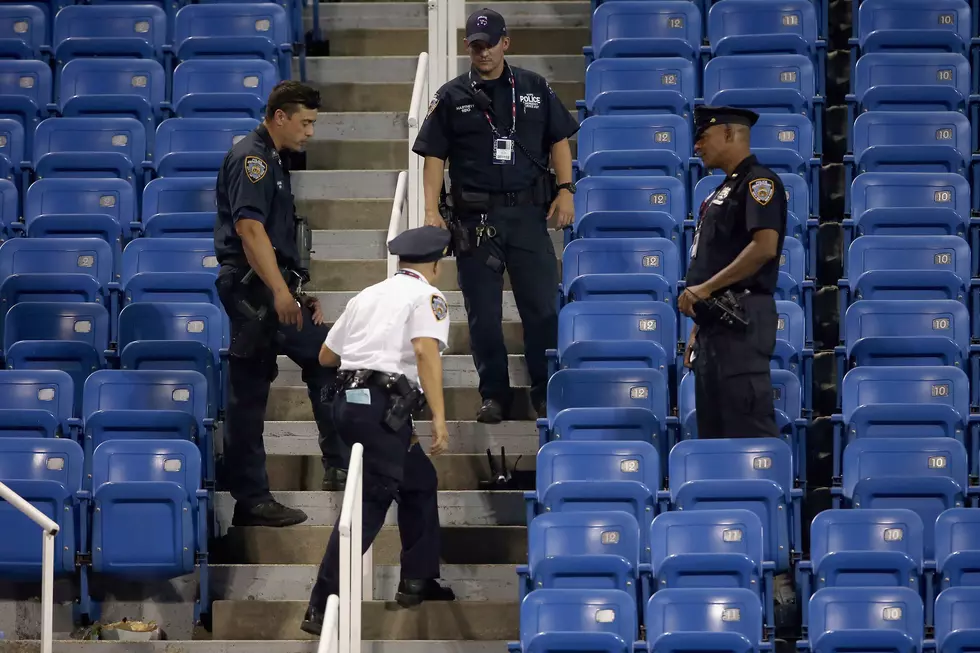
(705, 117)
(421, 245)
(485, 25)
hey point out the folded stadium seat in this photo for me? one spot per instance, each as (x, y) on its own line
(754, 27)
(626, 28)
(195, 147)
(117, 30)
(600, 621)
(642, 85)
(25, 30)
(957, 549)
(709, 549)
(621, 206)
(596, 399)
(150, 516)
(179, 207)
(927, 475)
(136, 88)
(170, 270)
(581, 550)
(862, 548)
(622, 269)
(257, 30)
(909, 204)
(793, 284)
(25, 95)
(36, 403)
(590, 477)
(911, 26)
(47, 473)
(784, 143)
(171, 336)
(752, 473)
(68, 336)
(721, 620)
(866, 619)
(13, 166)
(793, 351)
(9, 208)
(957, 628)
(90, 147)
(636, 145)
(223, 88)
(767, 83)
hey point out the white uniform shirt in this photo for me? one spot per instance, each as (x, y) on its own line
(378, 325)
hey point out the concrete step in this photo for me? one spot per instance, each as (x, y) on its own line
(319, 185)
(357, 274)
(294, 582)
(291, 404)
(333, 302)
(238, 646)
(519, 438)
(360, 126)
(400, 69)
(457, 472)
(409, 42)
(458, 620)
(304, 545)
(346, 214)
(458, 371)
(371, 244)
(336, 17)
(456, 508)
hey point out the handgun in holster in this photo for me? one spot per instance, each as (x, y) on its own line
(405, 399)
(724, 309)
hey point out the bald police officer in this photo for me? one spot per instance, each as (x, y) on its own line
(258, 283)
(740, 233)
(388, 345)
(499, 126)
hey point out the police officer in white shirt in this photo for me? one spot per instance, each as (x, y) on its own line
(388, 345)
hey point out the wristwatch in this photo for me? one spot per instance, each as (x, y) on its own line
(570, 187)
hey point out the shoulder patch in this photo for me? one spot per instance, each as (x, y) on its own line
(439, 308)
(255, 168)
(761, 190)
(432, 105)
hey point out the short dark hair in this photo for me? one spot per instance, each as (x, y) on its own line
(289, 95)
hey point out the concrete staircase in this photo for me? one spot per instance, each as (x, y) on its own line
(261, 578)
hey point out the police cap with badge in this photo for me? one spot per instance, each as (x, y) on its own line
(706, 117)
(420, 245)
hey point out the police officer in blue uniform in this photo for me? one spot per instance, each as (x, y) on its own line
(388, 346)
(259, 283)
(498, 126)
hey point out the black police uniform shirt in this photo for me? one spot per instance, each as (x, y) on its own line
(457, 130)
(752, 197)
(253, 183)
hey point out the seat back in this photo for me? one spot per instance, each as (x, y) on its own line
(142, 77)
(57, 321)
(548, 611)
(36, 459)
(668, 19)
(620, 256)
(49, 390)
(905, 190)
(201, 134)
(11, 144)
(783, 131)
(573, 534)
(913, 319)
(864, 531)
(907, 385)
(147, 461)
(790, 324)
(168, 255)
(616, 320)
(923, 69)
(677, 533)
(25, 23)
(704, 610)
(752, 18)
(253, 76)
(84, 135)
(911, 128)
(957, 547)
(613, 193)
(671, 74)
(264, 19)
(648, 132)
(758, 71)
(866, 608)
(26, 78)
(627, 388)
(787, 393)
(171, 322)
(107, 22)
(957, 609)
(767, 459)
(792, 260)
(897, 253)
(153, 390)
(909, 17)
(113, 197)
(90, 256)
(598, 461)
(179, 195)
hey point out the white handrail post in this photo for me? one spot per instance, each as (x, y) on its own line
(329, 634)
(420, 95)
(351, 560)
(457, 20)
(397, 219)
(357, 559)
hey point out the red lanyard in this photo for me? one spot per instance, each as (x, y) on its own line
(409, 273)
(513, 108)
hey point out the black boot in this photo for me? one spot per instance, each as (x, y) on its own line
(312, 622)
(268, 513)
(334, 480)
(491, 412)
(413, 592)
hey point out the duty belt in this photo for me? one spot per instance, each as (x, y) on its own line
(396, 384)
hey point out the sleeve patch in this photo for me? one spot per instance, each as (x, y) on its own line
(761, 190)
(439, 308)
(255, 168)
(432, 105)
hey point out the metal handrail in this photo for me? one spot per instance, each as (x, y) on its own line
(352, 564)
(330, 633)
(416, 115)
(396, 223)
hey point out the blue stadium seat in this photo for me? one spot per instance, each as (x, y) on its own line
(627, 424)
(958, 549)
(581, 550)
(793, 351)
(907, 81)
(957, 628)
(621, 269)
(135, 88)
(223, 88)
(25, 30)
(911, 26)
(13, 166)
(636, 145)
(793, 284)
(118, 30)
(927, 475)
(600, 621)
(871, 618)
(193, 147)
(626, 28)
(784, 143)
(624, 204)
(90, 147)
(26, 94)
(171, 336)
(36, 403)
(47, 473)
(893, 402)
(568, 480)
(714, 619)
(752, 473)
(169, 270)
(70, 336)
(644, 85)
(9, 208)
(258, 30)
(179, 207)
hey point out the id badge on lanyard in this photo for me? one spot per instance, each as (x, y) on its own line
(503, 146)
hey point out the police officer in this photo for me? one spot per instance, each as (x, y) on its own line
(498, 125)
(740, 232)
(388, 345)
(258, 283)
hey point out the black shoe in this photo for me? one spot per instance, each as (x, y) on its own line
(334, 480)
(312, 622)
(413, 592)
(268, 513)
(491, 412)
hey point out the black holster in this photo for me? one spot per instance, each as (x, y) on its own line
(304, 247)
